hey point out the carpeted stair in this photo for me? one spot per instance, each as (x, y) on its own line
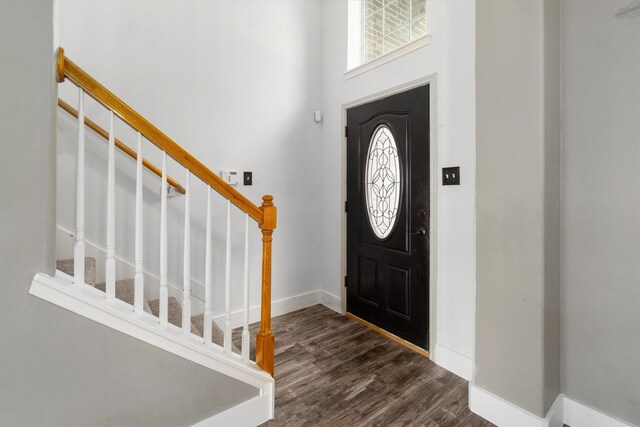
(175, 312)
(125, 291)
(217, 336)
(175, 318)
(66, 266)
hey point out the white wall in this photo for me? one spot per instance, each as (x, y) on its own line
(601, 207)
(251, 73)
(233, 82)
(450, 56)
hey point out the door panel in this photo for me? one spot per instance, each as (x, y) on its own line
(388, 195)
(367, 283)
(399, 294)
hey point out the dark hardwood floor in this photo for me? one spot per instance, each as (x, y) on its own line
(332, 371)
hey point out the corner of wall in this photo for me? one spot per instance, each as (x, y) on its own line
(552, 201)
(51, 183)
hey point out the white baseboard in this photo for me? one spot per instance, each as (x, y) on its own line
(278, 308)
(250, 413)
(330, 301)
(503, 413)
(297, 302)
(563, 411)
(453, 361)
(555, 417)
(283, 306)
(577, 414)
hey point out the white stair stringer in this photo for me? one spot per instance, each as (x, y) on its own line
(91, 303)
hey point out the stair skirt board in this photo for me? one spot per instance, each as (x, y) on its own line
(249, 413)
(90, 303)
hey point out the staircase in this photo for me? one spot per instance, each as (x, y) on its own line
(125, 291)
(124, 303)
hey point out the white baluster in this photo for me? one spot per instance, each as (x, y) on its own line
(164, 290)
(186, 279)
(110, 265)
(227, 286)
(78, 249)
(139, 277)
(245, 328)
(207, 275)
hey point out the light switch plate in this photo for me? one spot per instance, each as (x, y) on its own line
(451, 176)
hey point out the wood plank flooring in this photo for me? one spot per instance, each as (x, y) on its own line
(332, 371)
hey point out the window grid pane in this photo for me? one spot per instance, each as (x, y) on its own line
(390, 24)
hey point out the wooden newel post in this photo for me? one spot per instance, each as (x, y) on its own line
(265, 341)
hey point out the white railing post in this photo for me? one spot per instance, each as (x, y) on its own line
(245, 327)
(206, 323)
(227, 285)
(139, 276)
(186, 280)
(110, 265)
(78, 249)
(164, 291)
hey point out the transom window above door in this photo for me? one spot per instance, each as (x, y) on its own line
(380, 27)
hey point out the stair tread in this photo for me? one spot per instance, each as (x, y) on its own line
(67, 266)
(217, 335)
(125, 291)
(174, 316)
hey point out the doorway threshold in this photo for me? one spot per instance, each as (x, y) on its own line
(389, 335)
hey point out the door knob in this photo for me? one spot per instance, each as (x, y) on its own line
(421, 231)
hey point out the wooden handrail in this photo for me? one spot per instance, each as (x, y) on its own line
(66, 68)
(119, 144)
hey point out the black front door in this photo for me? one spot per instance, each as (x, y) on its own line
(388, 214)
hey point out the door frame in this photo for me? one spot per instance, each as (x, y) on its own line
(432, 81)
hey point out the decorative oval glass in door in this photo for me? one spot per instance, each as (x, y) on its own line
(383, 182)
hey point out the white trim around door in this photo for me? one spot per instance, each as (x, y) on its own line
(432, 81)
